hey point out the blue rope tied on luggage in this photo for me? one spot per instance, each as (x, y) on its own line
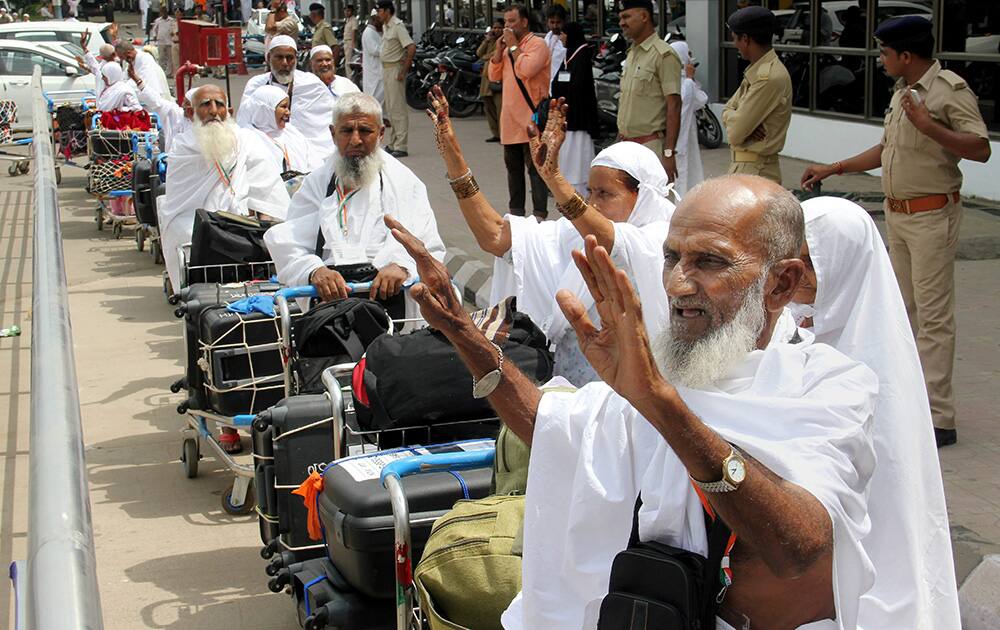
(263, 304)
(461, 480)
(305, 590)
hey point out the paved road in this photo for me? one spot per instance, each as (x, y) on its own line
(168, 557)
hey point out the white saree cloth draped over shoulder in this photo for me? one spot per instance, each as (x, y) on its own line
(540, 260)
(859, 311)
(802, 410)
(192, 183)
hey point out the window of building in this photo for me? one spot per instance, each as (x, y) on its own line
(829, 50)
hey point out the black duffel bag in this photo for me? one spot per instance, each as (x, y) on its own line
(223, 238)
(418, 379)
(333, 333)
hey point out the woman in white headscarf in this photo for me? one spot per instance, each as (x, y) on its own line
(118, 94)
(627, 210)
(693, 98)
(851, 301)
(269, 115)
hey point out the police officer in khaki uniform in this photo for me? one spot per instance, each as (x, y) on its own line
(397, 55)
(649, 109)
(757, 115)
(932, 123)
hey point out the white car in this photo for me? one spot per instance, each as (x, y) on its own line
(54, 31)
(17, 63)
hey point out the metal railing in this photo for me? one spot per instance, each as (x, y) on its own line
(61, 584)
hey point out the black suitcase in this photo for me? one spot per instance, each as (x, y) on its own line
(142, 194)
(109, 144)
(291, 440)
(195, 301)
(357, 518)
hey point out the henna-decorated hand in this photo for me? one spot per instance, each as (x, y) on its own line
(438, 113)
(545, 146)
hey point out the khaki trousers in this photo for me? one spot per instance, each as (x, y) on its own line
(395, 107)
(765, 166)
(492, 105)
(166, 54)
(922, 250)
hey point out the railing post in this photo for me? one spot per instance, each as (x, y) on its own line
(62, 571)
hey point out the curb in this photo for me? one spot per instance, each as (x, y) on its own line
(470, 275)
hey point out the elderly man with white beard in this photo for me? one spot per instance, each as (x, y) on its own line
(335, 218)
(773, 434)
(321, 64)
(311, 102)
(215, 165)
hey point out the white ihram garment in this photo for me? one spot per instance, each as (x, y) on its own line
(153, 78)
(173, 122)
(540, 260)
(286, 145)
(801, 410)
(312, 108)
(690, 172)
(396, 192)
(193, 183)
(371, 64)
(859, 311)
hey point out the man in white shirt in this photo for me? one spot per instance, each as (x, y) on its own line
(311, 100)
(556, 16)
(371, 60)
(145, 66)
(163, 33)
(774, 435)
(336, 217)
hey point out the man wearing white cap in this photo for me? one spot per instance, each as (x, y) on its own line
(311, 100)
(321, 63)
(174, 119)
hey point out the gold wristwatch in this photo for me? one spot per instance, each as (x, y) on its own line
(734, 472)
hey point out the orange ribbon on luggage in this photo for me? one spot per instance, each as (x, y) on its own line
(309, 490)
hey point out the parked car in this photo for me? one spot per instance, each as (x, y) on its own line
(17, 63)
(54, 31)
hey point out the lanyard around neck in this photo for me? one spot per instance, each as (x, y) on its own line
(226, 176)
(343, 197)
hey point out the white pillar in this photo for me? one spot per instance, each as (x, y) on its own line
(702, 34)
(419, 10)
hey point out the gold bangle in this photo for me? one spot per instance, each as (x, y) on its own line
(573, 208)
(466, 175)
(466, 188)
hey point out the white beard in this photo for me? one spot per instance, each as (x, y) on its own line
(700, 363)
(284, 78)
(358, 172)
(217, 140)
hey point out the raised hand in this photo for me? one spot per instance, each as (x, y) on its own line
(84, 40)
(618, 351)
(545, 146)
(439, 305)
(438, 113)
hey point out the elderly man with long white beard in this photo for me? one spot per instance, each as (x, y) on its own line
(774, 435)
(335, 218)
(216, 166)
(310, 100)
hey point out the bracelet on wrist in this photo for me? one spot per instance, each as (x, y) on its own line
(466, 187)
(467, 174)
(838, 168)
(573, 208)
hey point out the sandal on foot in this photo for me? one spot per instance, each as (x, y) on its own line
(230, 443)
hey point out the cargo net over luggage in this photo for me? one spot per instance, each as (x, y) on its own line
(243, 373)
(8, 116)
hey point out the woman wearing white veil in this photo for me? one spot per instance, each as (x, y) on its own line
(269, 115)
(627, 210)
(118, 94)
(852, 303)
(689, 169)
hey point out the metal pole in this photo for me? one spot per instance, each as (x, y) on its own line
(62, 575)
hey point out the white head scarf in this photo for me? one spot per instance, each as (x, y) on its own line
(112, 71)
(654, 187)
(281, 40)
(189, 95)
(859, 311)
(318, 49)
(119, 94)
(263, 103)
(682, 50)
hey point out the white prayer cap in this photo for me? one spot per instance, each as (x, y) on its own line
(643, 165)
(318, 49)
(189, 95)
(281, 40)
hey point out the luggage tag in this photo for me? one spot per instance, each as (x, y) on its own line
(345, 253)
(563, 77)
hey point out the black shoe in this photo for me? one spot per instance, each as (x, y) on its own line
(945, 437)
(493, 139)
(398, 154)
(541, 216)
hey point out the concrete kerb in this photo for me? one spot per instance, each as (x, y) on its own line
(471, 276)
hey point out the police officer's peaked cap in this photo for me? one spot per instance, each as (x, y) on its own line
(905, 28)
(638, 4)
(752, 20)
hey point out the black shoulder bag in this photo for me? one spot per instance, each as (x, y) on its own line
(539, 114)
(654, 586)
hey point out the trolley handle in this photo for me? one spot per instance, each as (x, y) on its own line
(309, 291)
(441, 462)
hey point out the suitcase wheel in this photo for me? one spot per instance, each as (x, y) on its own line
(237, 510)
(190, 457)
(268, 550)
(278, 582)
(178, 385)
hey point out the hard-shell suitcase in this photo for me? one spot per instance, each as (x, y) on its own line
(142, 194)
(357, 517)
(291, 440)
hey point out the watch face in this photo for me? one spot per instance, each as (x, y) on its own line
(736, 470)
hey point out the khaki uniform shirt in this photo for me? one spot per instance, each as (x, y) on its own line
(913, 164)
(395, 39)
(763, 98)
(350, 31)
(652, 72)
(323, 35)
(288, 26)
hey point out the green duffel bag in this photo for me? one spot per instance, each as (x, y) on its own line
(510, 466)
(471, 566)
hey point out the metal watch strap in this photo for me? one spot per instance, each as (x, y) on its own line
(723, 485)
(490, 380)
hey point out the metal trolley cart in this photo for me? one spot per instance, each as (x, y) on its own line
(69, 110)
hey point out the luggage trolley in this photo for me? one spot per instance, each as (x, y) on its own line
(113, 154)
(147, 188)
(69, 110)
